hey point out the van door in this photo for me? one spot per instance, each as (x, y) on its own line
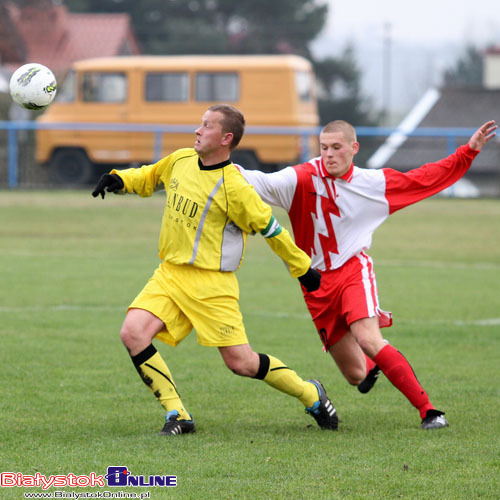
(105, 99)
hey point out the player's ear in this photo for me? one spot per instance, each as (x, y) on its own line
(355, 147)
(227, 138)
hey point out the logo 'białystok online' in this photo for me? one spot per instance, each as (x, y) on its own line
(116, 476)
(120, 476)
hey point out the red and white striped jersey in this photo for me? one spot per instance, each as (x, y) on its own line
(333, 219)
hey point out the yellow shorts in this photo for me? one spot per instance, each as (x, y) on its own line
(186, 297)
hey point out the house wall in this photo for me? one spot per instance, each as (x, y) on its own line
(491, 77)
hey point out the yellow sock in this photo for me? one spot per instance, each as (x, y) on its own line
(156, 375)
(279, 376)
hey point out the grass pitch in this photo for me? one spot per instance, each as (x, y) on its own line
(71, 401)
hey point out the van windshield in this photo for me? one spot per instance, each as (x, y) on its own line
(304, 85)
(66, 92)
(104, 87)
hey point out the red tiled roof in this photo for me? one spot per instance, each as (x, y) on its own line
(56, 37)
(96, 35)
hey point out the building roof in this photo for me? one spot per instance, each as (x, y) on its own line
(454, 108)
(56, 38)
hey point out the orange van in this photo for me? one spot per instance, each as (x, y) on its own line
(118, 111)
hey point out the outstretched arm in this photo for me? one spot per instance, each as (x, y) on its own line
(297, 261)
(482, 135)
(405, 188)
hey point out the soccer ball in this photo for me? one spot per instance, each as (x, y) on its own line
(33, 86)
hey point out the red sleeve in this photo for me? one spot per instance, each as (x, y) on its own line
(405, 188)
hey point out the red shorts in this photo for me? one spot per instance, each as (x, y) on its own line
(347, 294)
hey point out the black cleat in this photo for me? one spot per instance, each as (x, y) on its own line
(434, 419)
(174, 426)
(323, 410)
(366, 384)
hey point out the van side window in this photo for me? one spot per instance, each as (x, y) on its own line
(217, 87)
(304, 85)
(104, 87)
(172, 87)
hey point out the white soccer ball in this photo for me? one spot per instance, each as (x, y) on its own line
(33, 86)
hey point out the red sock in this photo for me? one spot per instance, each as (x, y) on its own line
(397, 369)
(369, 364)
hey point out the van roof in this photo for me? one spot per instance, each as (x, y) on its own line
(228, 62)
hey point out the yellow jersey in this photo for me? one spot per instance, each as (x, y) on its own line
(209, 212)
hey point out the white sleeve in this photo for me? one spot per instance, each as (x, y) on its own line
(276, 188)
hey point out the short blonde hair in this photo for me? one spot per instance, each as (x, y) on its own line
(341, 126)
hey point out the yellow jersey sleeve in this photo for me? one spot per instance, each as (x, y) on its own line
(282, 244)
(247, 210)
(144, 181)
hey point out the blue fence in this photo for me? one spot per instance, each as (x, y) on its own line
(12, 127)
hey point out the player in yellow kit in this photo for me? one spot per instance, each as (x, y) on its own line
(209, 211)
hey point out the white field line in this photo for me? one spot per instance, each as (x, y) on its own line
(60, 307)
(432, 264)
(305, 316)
(457, 322)
(435, 264)
(264, 314)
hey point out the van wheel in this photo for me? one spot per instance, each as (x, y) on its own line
(246, 159)
(70, 167)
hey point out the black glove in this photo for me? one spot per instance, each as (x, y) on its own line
(311, 281)
(112, 183)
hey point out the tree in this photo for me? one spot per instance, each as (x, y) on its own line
(468, 70)
(218, 26)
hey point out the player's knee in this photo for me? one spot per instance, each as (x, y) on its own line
(241, 360)
(354, 380)
(236, 367)
(129, 336)
(240, 367)
(125, 336)
(354, 375)
(369, 346)
(237, 370)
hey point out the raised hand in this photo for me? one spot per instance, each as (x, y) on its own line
(482, 135)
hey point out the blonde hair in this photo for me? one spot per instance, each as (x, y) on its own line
(341, 126)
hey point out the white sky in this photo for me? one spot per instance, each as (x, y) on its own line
(426, 38)
(425, 22)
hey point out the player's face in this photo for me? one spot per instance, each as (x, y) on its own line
(337, 152)
(209, 135)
